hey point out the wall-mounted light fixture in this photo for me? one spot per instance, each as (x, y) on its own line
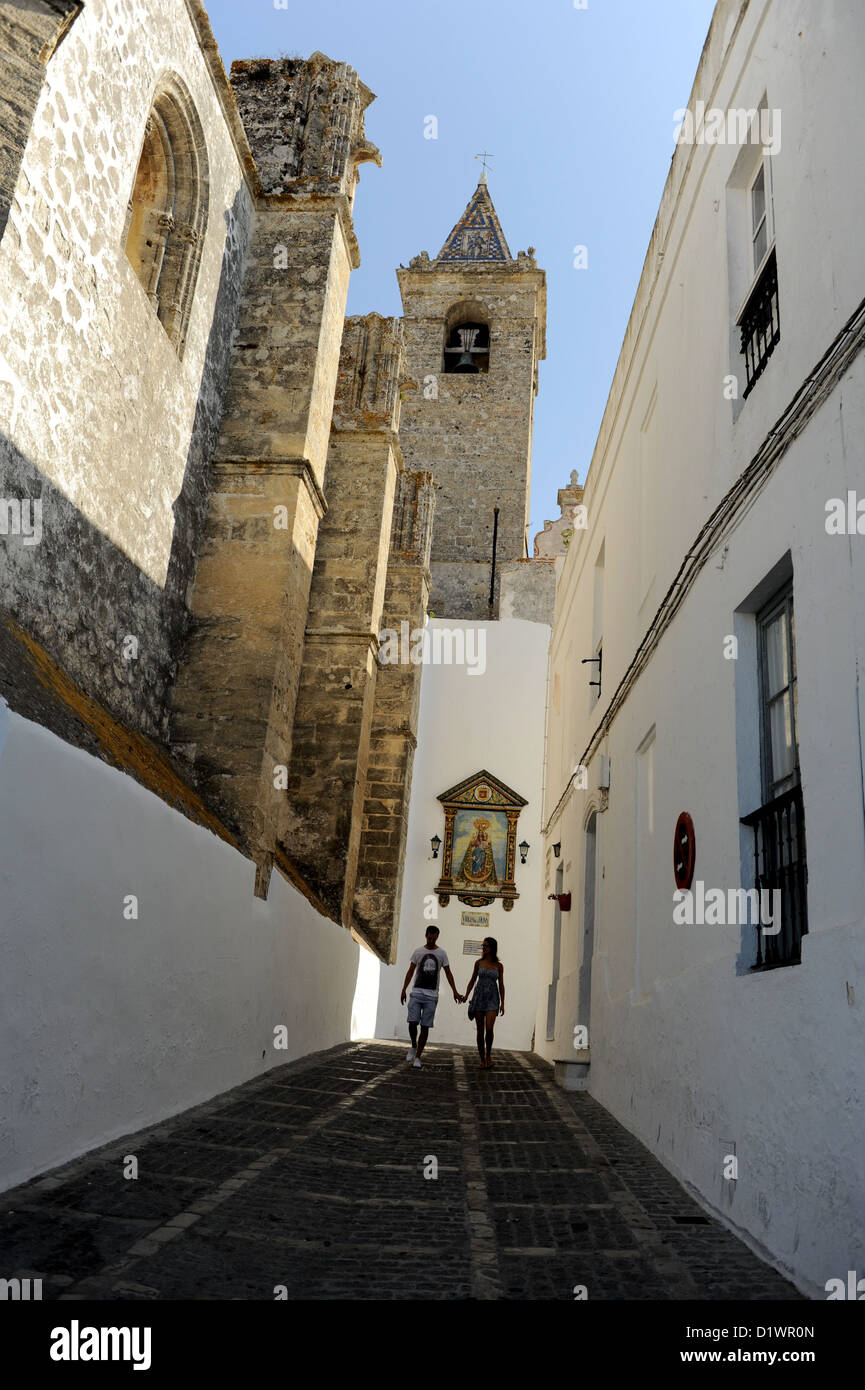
(435, 846)
(524, 849)
(557, 849)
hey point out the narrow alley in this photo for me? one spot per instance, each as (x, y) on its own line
(349, 1175)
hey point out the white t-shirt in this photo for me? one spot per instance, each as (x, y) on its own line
(427, 971)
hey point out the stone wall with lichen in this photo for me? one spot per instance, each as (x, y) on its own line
(304, 118)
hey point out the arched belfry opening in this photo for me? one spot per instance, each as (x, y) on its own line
(167, 214)
(467, 341)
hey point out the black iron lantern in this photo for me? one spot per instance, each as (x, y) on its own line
(435, 845)
(524, 849)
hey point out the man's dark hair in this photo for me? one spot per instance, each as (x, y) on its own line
(434, 930)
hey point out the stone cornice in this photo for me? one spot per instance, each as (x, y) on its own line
(235, 467)
(363, 635)
(335, 203)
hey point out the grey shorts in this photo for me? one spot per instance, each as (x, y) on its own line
(421, 1009)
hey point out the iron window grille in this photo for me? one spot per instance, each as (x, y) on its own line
(780, 864)
(780, 861)
(760, 324)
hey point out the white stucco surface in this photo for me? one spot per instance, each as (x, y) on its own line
(696, 1053)
(495, 721)
(108, 1024)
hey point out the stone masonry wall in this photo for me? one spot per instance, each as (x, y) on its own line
(473, 432)
(99, 419)
(304, 119)
(29, 32)
(528, 590)
(234, 702)
(162, 619)
(321, 826)
(393, 736)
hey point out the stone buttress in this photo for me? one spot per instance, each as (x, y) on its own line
(237, 686)
(320, 821)
(378, 885)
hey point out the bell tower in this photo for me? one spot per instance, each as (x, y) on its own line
(475, 321)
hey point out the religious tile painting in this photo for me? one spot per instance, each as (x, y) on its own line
(478, 862)
(480, 848)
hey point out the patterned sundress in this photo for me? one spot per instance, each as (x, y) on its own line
(485, 998)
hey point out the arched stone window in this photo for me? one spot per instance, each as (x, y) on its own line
(467, 340)
(168, 209)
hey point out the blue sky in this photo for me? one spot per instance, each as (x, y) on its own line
(576, 107)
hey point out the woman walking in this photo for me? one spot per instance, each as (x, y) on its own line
(488, 1000)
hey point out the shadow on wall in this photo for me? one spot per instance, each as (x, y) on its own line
(75, 609)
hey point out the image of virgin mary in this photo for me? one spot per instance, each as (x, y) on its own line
(478, 865)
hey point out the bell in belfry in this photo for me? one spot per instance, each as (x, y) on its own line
(465, 362)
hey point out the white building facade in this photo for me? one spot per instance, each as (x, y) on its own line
(717, 596)
(485, 715)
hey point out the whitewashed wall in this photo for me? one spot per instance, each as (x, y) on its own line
(107, 1024)
(468, 722)
(695, 1054)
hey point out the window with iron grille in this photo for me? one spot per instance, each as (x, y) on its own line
(759, 321)
(780, 863)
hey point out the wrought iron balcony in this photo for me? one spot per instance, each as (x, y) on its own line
(780, 863)
(760, 324)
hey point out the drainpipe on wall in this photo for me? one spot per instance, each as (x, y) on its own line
(493, 567)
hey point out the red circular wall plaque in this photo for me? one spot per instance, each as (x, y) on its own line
(684, 851)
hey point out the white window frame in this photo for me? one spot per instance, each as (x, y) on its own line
(765, 165)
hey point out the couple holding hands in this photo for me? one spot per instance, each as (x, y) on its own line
(488, 999)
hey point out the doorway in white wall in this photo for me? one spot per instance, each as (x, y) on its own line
(557, 956)
(584, 998)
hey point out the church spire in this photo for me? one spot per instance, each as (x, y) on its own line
(478, 235)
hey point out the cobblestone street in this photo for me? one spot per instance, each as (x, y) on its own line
(312, 1178)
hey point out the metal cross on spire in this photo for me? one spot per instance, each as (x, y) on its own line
(483, 159)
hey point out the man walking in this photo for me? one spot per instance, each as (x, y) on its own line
(427, 963)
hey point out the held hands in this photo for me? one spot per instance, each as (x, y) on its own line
(459, 998)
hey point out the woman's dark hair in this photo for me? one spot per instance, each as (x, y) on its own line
(494, 947)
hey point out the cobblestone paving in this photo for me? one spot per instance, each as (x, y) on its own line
(312, 1180)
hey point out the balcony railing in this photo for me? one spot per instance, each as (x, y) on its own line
(780, 863)
(760, 324)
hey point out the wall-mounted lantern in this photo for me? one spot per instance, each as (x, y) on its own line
(557, 849)
(435, 845)
(524, 849)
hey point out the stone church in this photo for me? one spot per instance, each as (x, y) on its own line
(218, 492)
